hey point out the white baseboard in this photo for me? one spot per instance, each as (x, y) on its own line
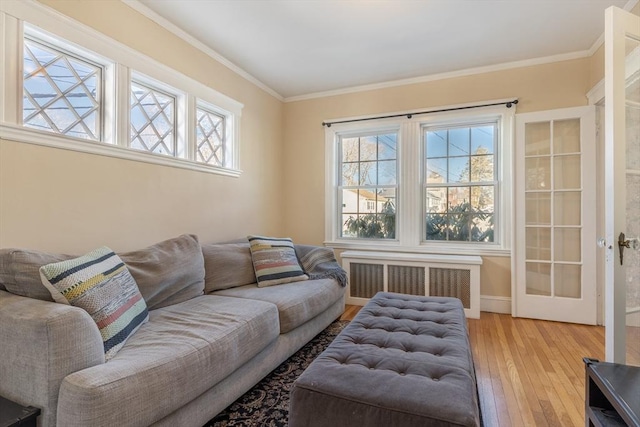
(495, 304)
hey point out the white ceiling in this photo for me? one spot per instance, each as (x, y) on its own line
(302, 47)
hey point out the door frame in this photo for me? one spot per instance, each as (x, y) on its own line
(619, 24)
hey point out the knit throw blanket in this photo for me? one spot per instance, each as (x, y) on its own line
(320, 263)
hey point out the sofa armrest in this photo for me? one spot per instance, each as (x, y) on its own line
(43, 342)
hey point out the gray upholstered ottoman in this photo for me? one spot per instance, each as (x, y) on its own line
(403, 361)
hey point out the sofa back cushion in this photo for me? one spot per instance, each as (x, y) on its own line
(167, 273)
(227, 265)
(20, 271)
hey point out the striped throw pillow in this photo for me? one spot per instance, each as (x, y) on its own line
(275, 261)
(100, 283)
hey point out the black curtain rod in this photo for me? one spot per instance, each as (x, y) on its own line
(409, 115)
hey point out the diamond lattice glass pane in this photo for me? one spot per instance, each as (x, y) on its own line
(61, 75)
(210, 135)
(152, 120)
(58, 96)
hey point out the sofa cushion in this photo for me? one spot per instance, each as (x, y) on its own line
(275, 261)
(179, 354)
(297, 302)
(227, 265)
(100, 284)
(168, 272)
(20, 271)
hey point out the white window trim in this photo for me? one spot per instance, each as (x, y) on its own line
(410, 210)
(13, 15)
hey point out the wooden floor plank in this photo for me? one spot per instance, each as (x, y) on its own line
(530, 372)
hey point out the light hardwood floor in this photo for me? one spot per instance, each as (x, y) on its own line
(529, 372)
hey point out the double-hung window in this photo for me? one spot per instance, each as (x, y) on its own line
(432, 183)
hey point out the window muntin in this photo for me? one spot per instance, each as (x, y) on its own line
(368, 185)
(61, 92)
(211, 137)
(153, 120)
(460, 184)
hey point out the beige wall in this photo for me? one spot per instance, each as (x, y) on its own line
(541, 87)
(58, 200)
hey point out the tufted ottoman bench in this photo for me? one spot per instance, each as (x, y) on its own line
(403, 361)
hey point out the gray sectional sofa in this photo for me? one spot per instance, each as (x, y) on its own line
(212, 334)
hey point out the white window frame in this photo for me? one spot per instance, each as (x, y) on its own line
(121, 64)
(230, 149)
(410, 227)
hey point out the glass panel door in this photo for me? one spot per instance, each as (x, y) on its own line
(555, 215)
(622, 186)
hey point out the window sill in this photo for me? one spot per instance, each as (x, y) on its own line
(444, 249)
(31, 136)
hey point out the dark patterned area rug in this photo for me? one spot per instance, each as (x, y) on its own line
(267, 403)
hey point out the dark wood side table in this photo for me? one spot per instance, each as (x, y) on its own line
(14, 415)
(612, 394)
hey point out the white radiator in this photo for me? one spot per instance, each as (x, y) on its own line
(413, 274)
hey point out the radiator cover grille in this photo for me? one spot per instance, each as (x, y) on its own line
(451, 282)
(365, 280)
(404, 279)
(417, 274)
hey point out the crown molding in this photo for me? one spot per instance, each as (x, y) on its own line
(443, 76)
(172, 28)
(600, 40)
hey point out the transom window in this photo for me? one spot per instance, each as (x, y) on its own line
(118, 103)
(61, 93)
(368, 184)
(460, 183)
(210, 137)
(152, 120)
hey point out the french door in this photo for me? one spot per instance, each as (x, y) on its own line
(622, 187)
(555, 206)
